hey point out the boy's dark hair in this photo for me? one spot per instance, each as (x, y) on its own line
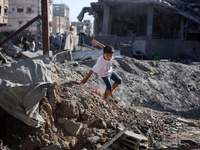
(108, 49)
(25, 39)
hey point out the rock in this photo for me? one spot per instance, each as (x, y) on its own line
(133, 140)
(98, 146)
(100, 132)
(100, 123)
(73, 127)
(62, 120)
(86, 115)
(190, 123)
(69, 109)
(102, 140)
(62, 56)
(93, 139)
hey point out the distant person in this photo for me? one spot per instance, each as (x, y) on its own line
(32, 46)
(58, 39)
(25, 42)
(103, 68)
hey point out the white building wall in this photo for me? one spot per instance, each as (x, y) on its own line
(58, 25)
(22, 11)
(3, 12)
(19, 13)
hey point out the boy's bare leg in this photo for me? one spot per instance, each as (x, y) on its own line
(106, 94)
(111, 94)
(114, 86)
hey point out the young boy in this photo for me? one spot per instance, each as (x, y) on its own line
(103, 68)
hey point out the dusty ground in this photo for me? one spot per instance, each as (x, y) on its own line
(148, 86)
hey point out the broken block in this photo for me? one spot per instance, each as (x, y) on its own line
(73, 127)
(133, 140)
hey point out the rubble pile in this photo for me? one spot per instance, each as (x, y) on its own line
(80, 119)
(164, 86)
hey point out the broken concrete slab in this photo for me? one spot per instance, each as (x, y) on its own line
(12, 49)
(4, 60)
(93, 139)
(62, 56)
(190, 123)
(62, 120)
(133, 140)
(28, 54)
(73, 127)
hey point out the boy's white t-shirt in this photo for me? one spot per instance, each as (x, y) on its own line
(103, 67)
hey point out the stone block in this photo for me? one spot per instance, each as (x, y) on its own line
(62, 120)
(62, 56)
(73, 127)
(190, 123)
(93, 139)
(133, 140)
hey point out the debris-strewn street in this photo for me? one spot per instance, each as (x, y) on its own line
(152, 101)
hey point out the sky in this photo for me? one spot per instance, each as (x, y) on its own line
(75, 7)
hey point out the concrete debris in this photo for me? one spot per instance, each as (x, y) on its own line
(190, 123)
(2, 59)
(93, 139)
(133, 140)
(62, 120)
(73, 127)
(62, 56)
(28, 54)
(81, 119)
(12, 49)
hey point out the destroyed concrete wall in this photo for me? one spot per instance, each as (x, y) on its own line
(166, 48)
(163, 19)
(171, 49)
(3, 12)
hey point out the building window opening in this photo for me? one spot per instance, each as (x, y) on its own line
(0, 10)
(56, 7)
(20, 9)
(29, 10)
(20, 22)
(5, 10)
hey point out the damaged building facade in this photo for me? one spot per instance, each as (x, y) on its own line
(158, 25)
(61, 21)
(3, 12)
(20, 12)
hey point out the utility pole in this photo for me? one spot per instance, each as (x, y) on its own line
(45, 27)
(39, 22)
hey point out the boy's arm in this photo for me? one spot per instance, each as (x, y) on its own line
(21, 39)
(31, 45)
(96, 43)
(87, 77)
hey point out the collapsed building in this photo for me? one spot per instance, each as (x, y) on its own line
(149, 21)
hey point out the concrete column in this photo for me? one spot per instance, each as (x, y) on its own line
(106, 19)
(181, 36)
(150, 21)
(110, 23)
